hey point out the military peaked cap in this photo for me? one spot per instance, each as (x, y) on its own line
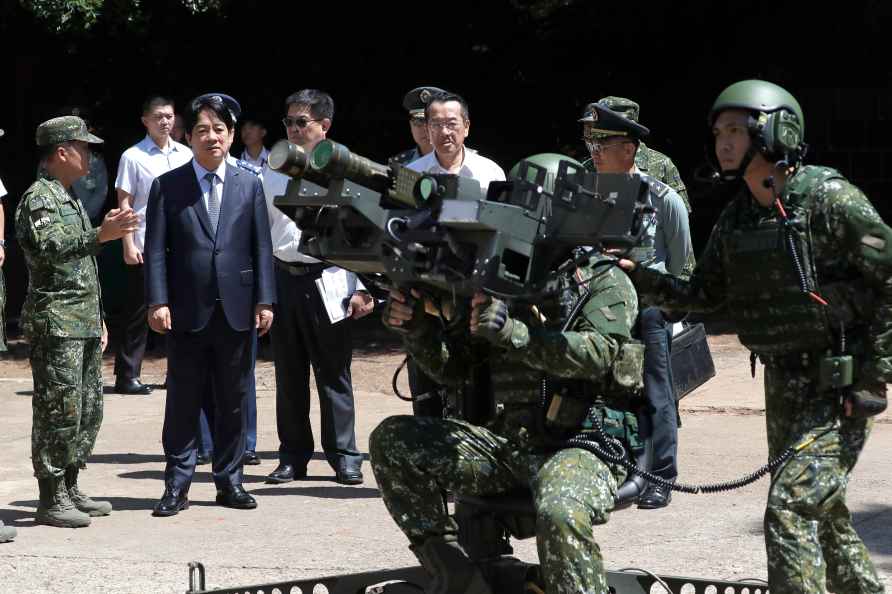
(606, 122)
(622, 106)
(417, 99)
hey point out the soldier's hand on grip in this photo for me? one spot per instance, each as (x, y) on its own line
(402, 312)
(866, 399)
(490, 320)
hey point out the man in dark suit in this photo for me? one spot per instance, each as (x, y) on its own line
(209, 283)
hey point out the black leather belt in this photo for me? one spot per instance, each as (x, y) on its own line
(300, 269)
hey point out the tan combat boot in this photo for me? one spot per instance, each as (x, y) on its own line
(452, 572)
(56, 508)
(7, 533)
(80, 500)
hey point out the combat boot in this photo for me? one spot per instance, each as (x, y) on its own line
(81, 501)
(7, 533)
(56, 508)
(452, 572)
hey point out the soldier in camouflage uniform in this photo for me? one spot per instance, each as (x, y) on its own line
(803, 264)
(514, 347)
(62, 320)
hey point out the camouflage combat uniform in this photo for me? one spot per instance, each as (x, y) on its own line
(810, 541)
(62, 320)
(415, 457)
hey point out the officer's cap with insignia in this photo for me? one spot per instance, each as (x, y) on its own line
(417, 99)
(602, 122)
(64, 129)
(231, 104)
(622, 106)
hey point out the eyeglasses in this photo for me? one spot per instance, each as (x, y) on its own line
(596, 148)
(299, 122)
(418, 123)
(451, 125)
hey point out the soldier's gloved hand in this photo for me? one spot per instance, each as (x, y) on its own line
(490, 320)
(866, 398)
(403, 313)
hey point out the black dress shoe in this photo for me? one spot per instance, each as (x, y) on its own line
(235, 497)
(349, 477)
(171, 503)
(250, 459)
(655, 497)
(132, 386)
(285, 473)
(202, 459)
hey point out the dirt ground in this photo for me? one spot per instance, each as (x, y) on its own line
(315, 527)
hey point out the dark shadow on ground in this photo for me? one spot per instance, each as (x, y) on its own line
(118, 504)
(25, 393)
(334, 492)
(200, 476)
(128, 458)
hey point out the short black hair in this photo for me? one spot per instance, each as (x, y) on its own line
(443, 98)
(153, 101)
(211, 103)
(320, 104)
(47, 151)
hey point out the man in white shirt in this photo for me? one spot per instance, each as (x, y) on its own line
(449, 124)
(448, 121)
(154, 155)
(253, 133)
(303, 334)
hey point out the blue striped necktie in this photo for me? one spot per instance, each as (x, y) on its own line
(213, 201)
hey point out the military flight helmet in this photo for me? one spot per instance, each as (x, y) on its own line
(776, 124)
(548, 161)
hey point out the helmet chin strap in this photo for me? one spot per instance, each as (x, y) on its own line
(730, 175)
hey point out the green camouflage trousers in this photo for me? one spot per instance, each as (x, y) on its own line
(413, 458)
(809, 538)
(67, 402)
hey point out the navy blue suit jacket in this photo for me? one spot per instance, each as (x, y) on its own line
(188, 268)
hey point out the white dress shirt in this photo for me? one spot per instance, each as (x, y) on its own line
(138, 168)
(285, 233)
(473, 166)
(205, 185)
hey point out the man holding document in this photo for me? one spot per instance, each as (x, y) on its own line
(313, 302)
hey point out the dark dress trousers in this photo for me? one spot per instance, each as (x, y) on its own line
(212, 283)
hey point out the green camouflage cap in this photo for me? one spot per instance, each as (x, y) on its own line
(63, 129)
(621, 105)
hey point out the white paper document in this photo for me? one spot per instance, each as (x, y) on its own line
(336, 286)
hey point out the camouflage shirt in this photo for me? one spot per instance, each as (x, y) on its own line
(586, 352)
(659, 166)
(60, 248)
(849, 241)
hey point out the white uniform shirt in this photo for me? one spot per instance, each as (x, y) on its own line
(473, 166)
(2, 189)
(260, 161)
(138, 168)
(284, 232)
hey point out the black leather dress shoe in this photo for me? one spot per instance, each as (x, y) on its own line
(349, 477)
(655, 497)
(171, 503)
(132, 386)
(285, 473)
(202, 459)
(235, 497)
(250, 459)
